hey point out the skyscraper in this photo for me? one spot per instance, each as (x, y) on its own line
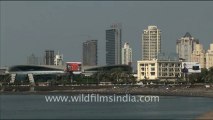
(90, 53)
(49, 57)
(151, 43)
(209, 57)
(198, 55)
(185, 46)
(126, 54)
(113, 45)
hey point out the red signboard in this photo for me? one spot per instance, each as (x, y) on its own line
(73, 66)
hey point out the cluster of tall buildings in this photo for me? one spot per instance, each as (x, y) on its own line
(115, 54)
(49, 58)
(190, 49)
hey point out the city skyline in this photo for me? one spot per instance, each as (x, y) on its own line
(32, 25)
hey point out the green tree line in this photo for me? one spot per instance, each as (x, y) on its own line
(206, 76)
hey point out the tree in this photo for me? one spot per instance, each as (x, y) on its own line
(204, 73)
(209, 76)
(115, 76)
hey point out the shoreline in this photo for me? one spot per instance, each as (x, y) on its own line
(206, 116)
(120, 90)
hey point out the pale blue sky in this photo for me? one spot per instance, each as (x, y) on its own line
(32, 27)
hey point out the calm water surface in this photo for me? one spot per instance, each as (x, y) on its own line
(35, 107)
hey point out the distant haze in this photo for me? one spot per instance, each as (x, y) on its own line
(33, 27)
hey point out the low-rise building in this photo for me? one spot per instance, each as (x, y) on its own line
(158, 69)
(147, 70)
(169, 69)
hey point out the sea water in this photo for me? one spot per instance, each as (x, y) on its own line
(168, 107)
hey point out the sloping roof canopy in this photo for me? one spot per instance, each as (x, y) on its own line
(22, 68)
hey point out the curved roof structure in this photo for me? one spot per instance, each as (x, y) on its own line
(31, 68)
(25, 69)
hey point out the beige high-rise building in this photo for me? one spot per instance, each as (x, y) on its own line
(185, 46)
(151, 43)
(198, 55)
(209, 57)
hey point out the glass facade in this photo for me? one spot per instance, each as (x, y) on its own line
(113, 46)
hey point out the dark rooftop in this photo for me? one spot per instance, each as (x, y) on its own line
(187, 34)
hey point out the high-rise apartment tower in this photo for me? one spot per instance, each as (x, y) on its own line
(126, 54)
(151, 43)
(185, 46)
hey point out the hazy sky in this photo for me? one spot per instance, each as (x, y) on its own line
(32, 27)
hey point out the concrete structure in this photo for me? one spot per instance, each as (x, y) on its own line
(147, 70)
(198, 55)
(3, 70)
(209, 57)
(20, 72)
(49, 57)
(169, 69)
(126, 54)
(90, 53)
(113, 45)
(32, 60)
(185, 46)
(58, 60)
(151, 43)
(156, 69)
(90, 71)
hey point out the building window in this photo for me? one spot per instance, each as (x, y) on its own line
(142, 73)
(152, 69)
(171, 74)
(152, 73)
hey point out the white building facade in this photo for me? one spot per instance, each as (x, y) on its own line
(58, 60)
(126, 54)
(151, 43)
